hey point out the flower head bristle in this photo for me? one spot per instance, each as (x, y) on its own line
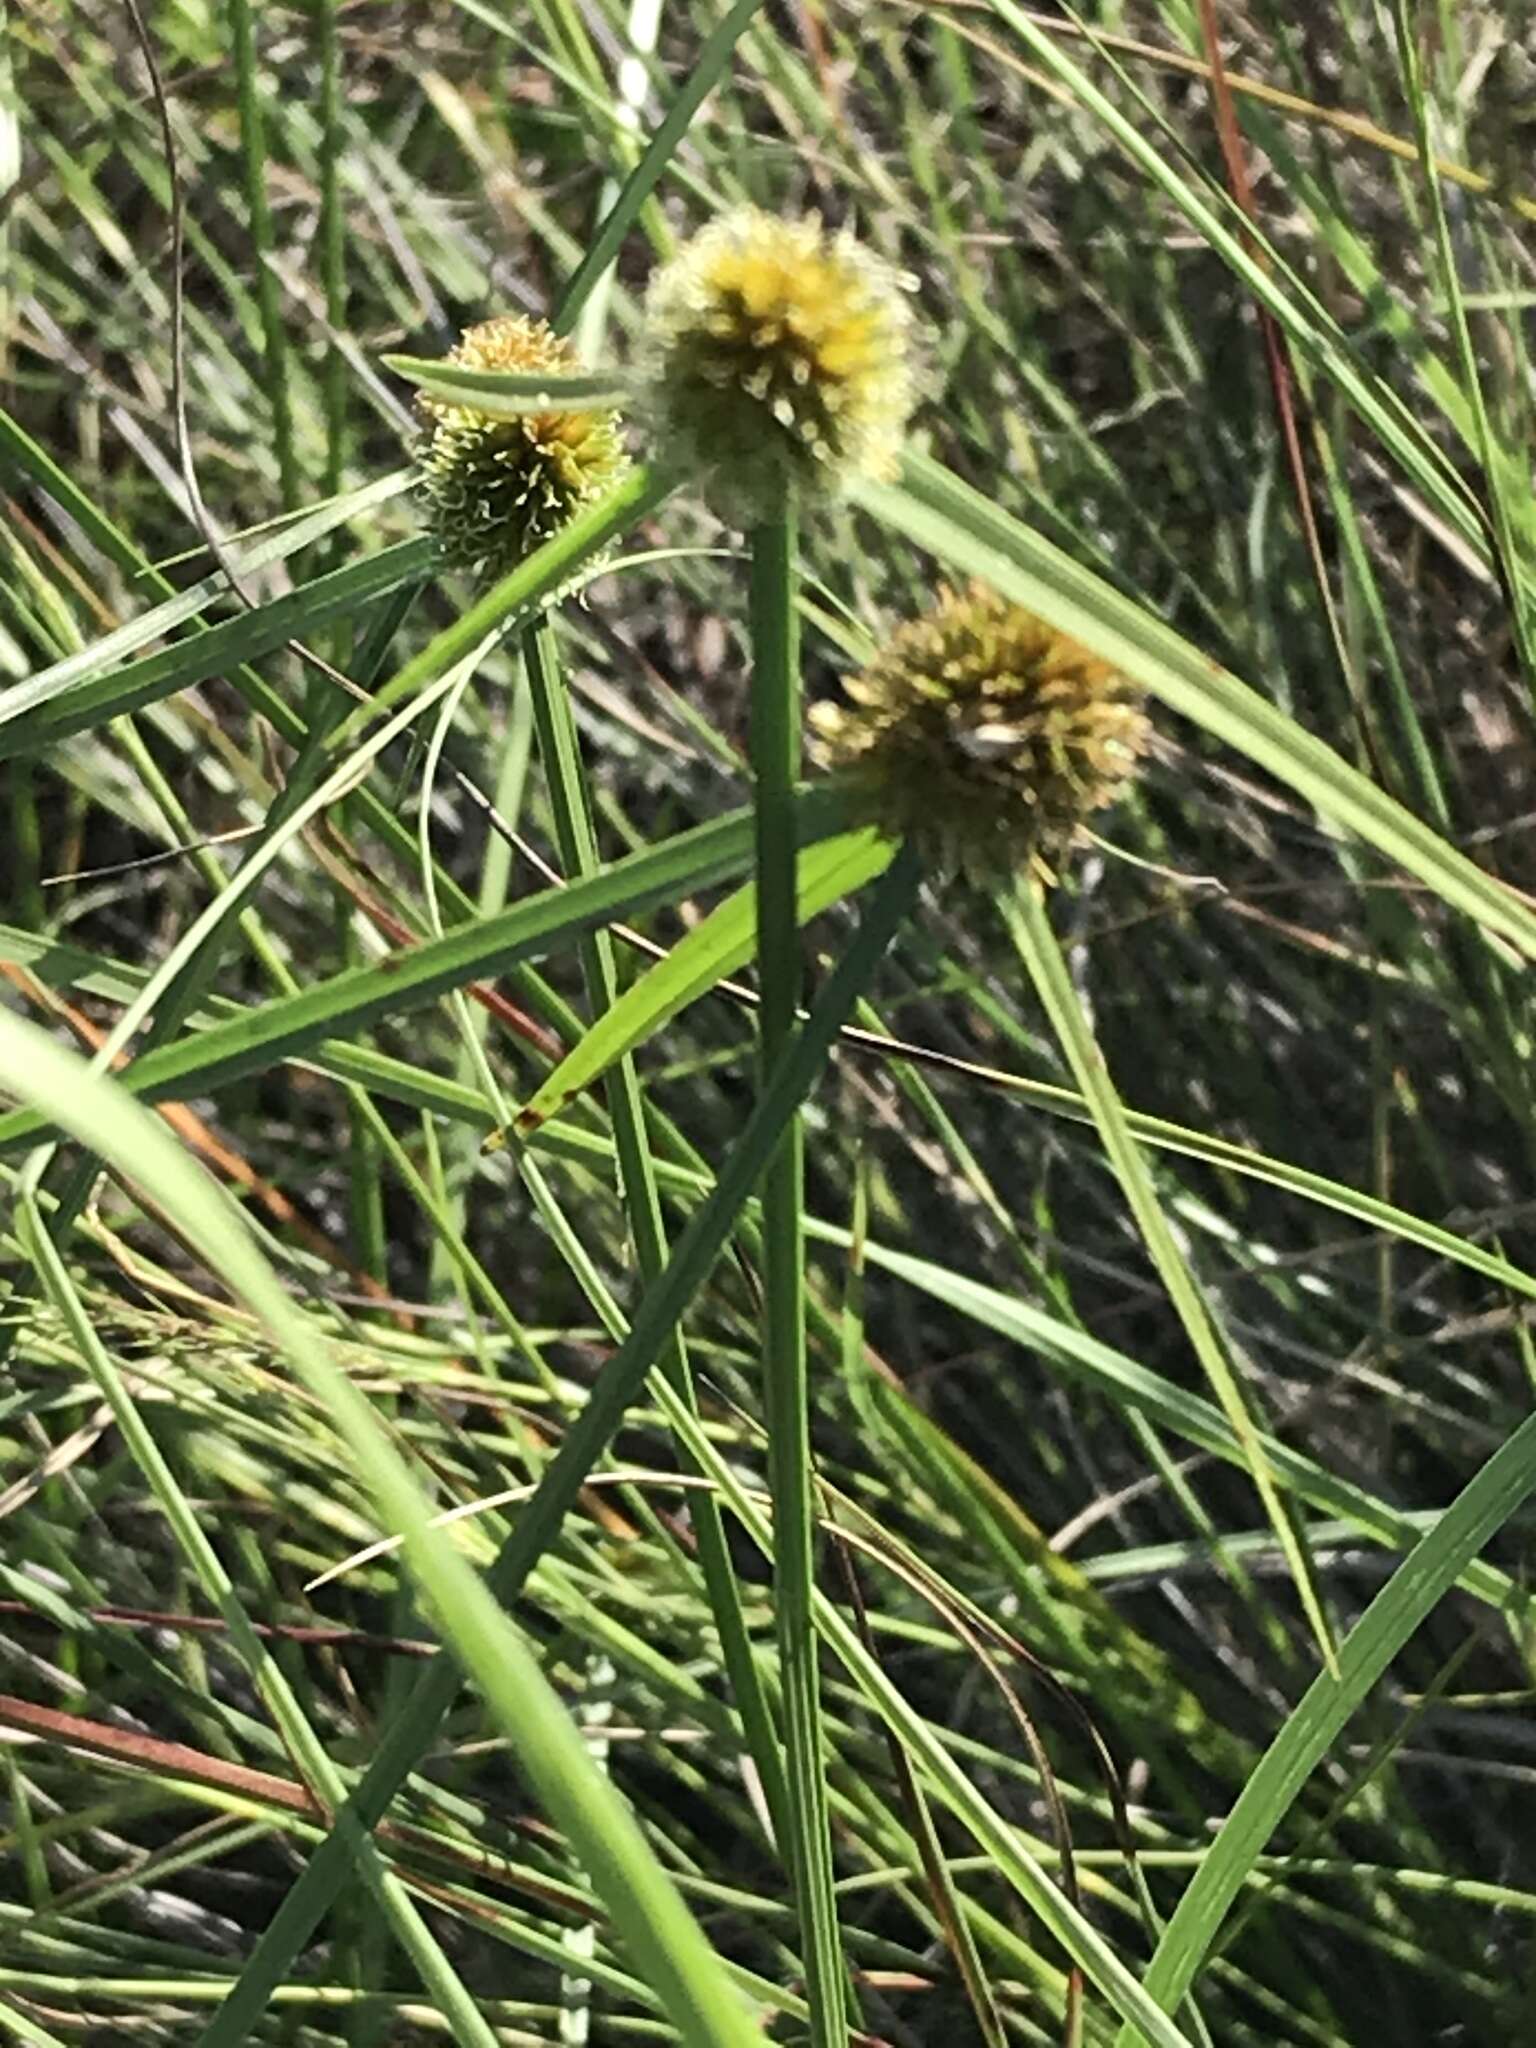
(499, 488)
(985, 735)
(779, 355)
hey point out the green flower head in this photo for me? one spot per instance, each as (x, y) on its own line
(779, 355)
(499, 488)
(985, 735)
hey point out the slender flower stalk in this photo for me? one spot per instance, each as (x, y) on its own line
(560, 748)
(776, 749)
(779, 374)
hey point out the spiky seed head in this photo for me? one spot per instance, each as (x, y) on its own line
(985, 735)
(499, 488)
(778, 352)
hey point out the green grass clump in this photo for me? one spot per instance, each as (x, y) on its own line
(629, 1412)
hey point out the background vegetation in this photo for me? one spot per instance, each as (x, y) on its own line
(1303, 447)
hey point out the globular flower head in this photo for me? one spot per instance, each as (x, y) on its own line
(499, 488)
(779, 353)
(985, 735)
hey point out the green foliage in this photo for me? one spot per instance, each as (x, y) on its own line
(975, 1485)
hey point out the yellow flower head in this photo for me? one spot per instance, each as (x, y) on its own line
(499, 488)
(985, 735)
(779, 353)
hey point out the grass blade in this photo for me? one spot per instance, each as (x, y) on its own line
(52, 708)
(1012, 1854)
(48, 1074)
(523, 589)
(510, 394)
(257, 1038)
(637, 1180)
(1425, 1576)
(1186, 1415)
(1507, 490)
(61, 964)
(715, 948)
(1037, 946)
(253, 162)
(111, 649)
(712, 62)
(647, 1911)
(1306, 322)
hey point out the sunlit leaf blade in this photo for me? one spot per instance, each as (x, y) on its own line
(509, 394)
(657, 1316)
(75, 697)
(114, 648)
(1036, 940)
(61, 964)
(1266, 278)
(1125, 1381)
(656, 160)
(715, 948)
(647, 1910)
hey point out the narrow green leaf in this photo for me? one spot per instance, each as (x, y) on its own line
(61, 964)
(715, 948)
(116, 647)
(1126, 1382)
(35, 461)
(662, 1307)
(1265, 276)
(1013, 1853)
(51, 706)
(1506, 483)
(260, 1037)
(523, 589)
(711, 63)
(275, 368)
(34, 1072)
(1442, 1556)
(1036, 941)
(560, 749)
(19, 2023)
(661, 1934)
(509, 394)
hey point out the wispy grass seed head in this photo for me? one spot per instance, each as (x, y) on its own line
(985, 735)
(499, 488)
(779, 354)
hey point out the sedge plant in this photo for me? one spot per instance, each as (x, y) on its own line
(1158, 1384)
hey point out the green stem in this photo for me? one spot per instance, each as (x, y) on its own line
(333, 247)
(253, 158)
(775, 763)
(559, 749)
